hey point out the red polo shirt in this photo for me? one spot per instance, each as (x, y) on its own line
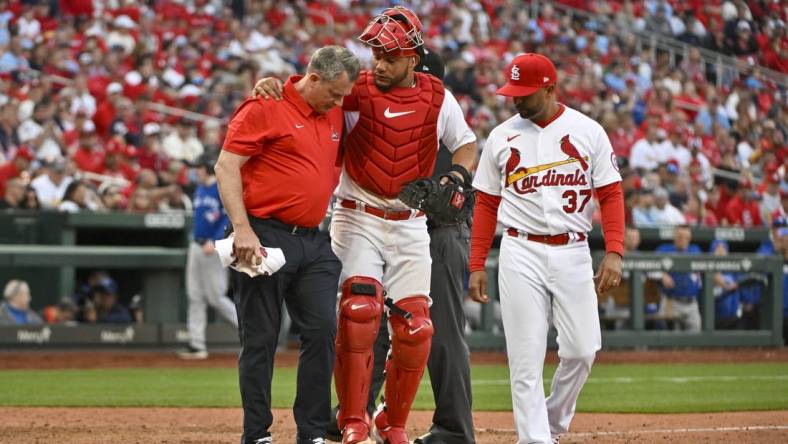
(293, 152)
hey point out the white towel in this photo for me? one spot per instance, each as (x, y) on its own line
(273, 259)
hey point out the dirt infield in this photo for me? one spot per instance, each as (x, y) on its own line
(204, 425)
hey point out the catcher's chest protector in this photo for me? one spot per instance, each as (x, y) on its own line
(395, 140)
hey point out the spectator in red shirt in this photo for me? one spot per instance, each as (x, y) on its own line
(71, 137)
(149, 154)
(88, 156)
(14, 168)
(625, 135)
(105, 112)
(115, 164)
(714, 203)
(742, 210)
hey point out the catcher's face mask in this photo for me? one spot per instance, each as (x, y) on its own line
(397, 31)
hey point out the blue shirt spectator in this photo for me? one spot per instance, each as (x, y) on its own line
(686, 285)
(12, 59)
(708, 117)
(726, 292)
(5, 19)
(615, 82)
(105, 308)
(15, 309)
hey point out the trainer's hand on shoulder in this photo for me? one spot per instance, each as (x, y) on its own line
(477, 286)
(267, 88)
(609, 273)
(247, 246)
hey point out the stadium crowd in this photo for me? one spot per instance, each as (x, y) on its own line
(105, 105)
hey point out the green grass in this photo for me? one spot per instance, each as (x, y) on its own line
(611, 388)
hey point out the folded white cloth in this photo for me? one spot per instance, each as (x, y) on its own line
(273, 259)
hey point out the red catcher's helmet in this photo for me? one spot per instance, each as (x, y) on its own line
(396, 30)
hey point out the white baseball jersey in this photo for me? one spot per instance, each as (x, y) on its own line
(453, 131)
(546, 176)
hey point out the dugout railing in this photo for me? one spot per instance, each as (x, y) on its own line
(146, 254)
(638, 266)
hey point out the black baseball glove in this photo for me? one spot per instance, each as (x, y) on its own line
(446, 203)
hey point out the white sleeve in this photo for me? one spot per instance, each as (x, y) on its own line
(489, 173)
(636, 159)
(603, 165)
(453, 131)
(28, 131)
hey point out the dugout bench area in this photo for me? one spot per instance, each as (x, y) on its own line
(146, 254)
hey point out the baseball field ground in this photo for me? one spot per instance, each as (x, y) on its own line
(150, 397)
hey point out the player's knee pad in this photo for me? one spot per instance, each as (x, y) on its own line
(411, 337)
(360, 310)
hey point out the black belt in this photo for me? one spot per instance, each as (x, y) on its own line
(295, 230)
(433, 225)
(683, 299)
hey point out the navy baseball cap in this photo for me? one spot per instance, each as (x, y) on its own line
(106, 285)
(431, 64)
(779, 222)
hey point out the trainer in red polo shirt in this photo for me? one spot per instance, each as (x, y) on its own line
(276, 173)
(293, 151)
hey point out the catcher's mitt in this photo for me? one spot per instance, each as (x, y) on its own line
(446, 203)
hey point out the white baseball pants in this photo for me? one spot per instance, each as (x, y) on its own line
(396, 253)
(542, 284)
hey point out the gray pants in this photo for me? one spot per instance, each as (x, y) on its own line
(206, 284)
(687, 314)
(449, 361)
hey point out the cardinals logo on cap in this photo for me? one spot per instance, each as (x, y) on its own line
(515, 72)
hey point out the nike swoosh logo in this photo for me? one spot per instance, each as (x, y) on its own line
(389, 115)
(509, 139)
(413, 331)
(299, 126)
(356, 306)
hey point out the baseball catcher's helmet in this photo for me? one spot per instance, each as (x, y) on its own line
(396, 30)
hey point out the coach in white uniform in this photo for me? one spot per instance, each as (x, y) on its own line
(537, 174)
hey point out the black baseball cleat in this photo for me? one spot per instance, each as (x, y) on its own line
(300, 440)
(191, 353)
(428, 438)
(332, 431)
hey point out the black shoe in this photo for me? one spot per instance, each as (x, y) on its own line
(310, 441)
(332, 431)
(190, 353)
(428, 438)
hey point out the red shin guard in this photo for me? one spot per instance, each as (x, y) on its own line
(410, 348)
(360, 310)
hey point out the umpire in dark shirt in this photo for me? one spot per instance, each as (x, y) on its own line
(449, 361)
